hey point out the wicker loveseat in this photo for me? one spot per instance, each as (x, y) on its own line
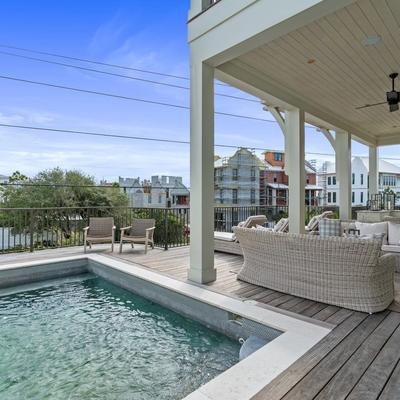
(349, 273)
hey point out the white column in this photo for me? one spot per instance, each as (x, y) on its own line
(201, 172)
(373, 170)
(343, 173)
(273, 197)
(294, 146)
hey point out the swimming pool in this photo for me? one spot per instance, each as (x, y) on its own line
(89, 339)
(127, 332)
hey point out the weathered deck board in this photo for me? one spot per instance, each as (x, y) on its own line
(358, 360)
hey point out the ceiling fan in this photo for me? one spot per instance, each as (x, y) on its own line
(392, 97)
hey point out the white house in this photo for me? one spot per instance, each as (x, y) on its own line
(389, 177)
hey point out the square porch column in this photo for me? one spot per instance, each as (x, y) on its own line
(201, 172)
(343, 172)
(373, 170)
(294, 146)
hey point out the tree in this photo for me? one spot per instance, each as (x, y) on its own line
(71, 196)
(58, 188)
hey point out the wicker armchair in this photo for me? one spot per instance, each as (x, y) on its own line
(100, 230)
(141, 231)
(345, 272)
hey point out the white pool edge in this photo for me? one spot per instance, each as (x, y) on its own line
(245, 379)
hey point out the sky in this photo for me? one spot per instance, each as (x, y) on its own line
(150, 35)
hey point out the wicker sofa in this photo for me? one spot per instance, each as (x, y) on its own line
(349, 273)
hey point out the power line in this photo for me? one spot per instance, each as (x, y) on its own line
(113, 135)
(122, 76)
(159, 103)
(146, 71)
(119, 136)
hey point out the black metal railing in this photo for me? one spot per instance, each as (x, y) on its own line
(29, 229)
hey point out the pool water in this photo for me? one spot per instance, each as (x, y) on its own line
(88, 339)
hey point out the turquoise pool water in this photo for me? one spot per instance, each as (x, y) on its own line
(88, 339)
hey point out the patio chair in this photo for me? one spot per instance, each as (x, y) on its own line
(100, 230)
(226, 241)
(312, 226)
(141, 231)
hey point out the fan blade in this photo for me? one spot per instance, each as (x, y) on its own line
(371, 105)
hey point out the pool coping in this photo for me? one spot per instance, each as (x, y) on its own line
(246, 378)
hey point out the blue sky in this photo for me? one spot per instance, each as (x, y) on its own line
(147, 34)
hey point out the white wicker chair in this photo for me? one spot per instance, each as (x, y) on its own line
(141, 231)
(100, 230)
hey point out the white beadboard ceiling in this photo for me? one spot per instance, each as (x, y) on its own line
(327, 64)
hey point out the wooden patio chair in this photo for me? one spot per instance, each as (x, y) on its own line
(140, 232)
(100, 230)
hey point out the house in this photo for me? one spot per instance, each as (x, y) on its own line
(389, 177)
(274, 181)
(237, 178)
(159, 192)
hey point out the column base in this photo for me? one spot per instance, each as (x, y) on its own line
(202, 276)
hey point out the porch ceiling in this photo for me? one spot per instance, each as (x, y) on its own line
(327, 69)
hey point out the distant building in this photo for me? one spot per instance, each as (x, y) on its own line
(3, 179)
(237, 179)
(274, 183)
(389, 177)
(159, 192)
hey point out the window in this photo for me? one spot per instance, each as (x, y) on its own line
(388, 180)
(278, 156)
(253, 174)
(334, 197)
(308, 181)
(252, 196)
(353, 179)
(235, 174)
(159, 198)
(333, 180)
(329, 197)
(329, 180)
(150, 199)
(362, 198)
(234, 196)
(362, 179)
(275, 178)
(353, 197)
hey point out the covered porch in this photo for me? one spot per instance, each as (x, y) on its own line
(321, 63)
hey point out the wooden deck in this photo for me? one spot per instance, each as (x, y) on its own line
(359, 359)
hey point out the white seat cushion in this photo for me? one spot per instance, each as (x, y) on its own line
(391, 248)
(394, 233)
(226, 236)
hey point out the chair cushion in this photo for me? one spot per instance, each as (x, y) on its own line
(226, 236)
(330, 227)
(391, 248)
(393, 233)
(100, 227)
(313, 223)
(367, 229)
(281, 225)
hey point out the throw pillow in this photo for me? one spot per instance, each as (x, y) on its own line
(367, 229)
(394, 233)
(330, 227)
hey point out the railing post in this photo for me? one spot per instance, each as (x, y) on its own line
(31, 227)
(166, 229)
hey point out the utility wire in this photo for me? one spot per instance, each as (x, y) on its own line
(146, 71)
(122, 76)
(114, 135)
(159, 103)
